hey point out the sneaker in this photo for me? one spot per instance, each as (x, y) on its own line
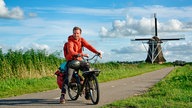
(62, 99)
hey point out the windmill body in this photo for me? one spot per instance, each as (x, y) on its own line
(154, 51)
(155, 54)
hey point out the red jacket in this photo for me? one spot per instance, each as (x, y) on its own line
(75, 47)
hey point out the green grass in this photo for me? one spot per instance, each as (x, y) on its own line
(33, 71)
(175, 91)
(114, 71)
(109, 71)
(14, 87)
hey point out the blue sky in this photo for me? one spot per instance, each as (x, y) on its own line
(109, 25)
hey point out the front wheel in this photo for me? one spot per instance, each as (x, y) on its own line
(94, 89)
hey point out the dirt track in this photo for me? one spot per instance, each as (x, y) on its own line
(110, 91)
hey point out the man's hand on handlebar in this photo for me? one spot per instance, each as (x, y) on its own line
(99, 54)
(82, 55)
(87, 55)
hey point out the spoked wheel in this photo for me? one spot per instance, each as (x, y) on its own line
(94, 89)
(73, 91)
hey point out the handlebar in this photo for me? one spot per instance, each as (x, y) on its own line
(88, 59)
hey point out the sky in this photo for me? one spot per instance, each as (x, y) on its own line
(108, 25)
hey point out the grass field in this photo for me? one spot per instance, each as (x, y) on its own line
(175, 91)
(33, 71)
(109, 71)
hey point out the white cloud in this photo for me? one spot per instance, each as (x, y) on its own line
(172, 25)
(162, 11)
(143, 26)
(40, 46)
(15, 13)
(31, 42)
(92, 11)
(179, 47)
(130, 49)
(34, 46)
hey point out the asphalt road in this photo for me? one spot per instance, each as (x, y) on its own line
(109, 92)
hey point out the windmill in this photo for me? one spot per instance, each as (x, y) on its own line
(154, 52)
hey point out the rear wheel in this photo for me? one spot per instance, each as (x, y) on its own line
(94, 89)
(73, 90)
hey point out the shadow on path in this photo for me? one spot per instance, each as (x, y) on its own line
(40, 102)
(27, 101)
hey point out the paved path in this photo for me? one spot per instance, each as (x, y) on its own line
(110, 91)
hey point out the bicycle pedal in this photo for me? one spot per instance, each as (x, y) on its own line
(87, 97)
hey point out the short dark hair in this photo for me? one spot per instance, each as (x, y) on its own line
(77, 28)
